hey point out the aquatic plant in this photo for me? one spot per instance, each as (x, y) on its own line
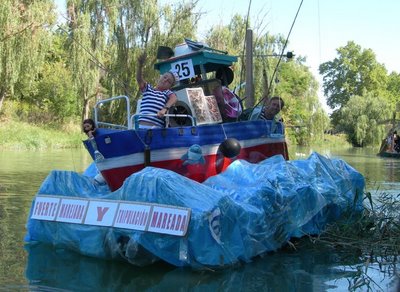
(374, 235)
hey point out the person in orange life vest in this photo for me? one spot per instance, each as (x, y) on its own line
(156, 100)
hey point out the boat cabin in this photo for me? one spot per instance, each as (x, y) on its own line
(204, 74)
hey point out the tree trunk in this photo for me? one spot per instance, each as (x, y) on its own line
(2, 98)
(85, 108)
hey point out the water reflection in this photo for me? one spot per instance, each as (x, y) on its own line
(43, 268)
(308, 269)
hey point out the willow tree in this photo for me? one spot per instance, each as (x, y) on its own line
(142, 26)
(86, 45)
(24, 38)
(393, 88)
(361, 119)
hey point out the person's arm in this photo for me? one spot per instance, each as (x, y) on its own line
(139, 71)
(172, 99)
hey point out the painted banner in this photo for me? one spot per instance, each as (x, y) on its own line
(140, 216)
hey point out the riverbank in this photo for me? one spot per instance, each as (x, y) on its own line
(24, 136)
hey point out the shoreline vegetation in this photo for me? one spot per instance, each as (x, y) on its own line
(20, 136)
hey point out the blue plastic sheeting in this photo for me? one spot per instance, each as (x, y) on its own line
(247, 210)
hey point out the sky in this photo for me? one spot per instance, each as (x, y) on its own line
(321, 27)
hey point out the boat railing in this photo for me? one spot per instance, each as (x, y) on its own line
(135, 119)
(100, 103)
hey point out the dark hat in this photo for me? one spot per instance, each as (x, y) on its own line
(225, 74)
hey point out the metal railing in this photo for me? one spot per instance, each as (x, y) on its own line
(134, 120)
(108, 100)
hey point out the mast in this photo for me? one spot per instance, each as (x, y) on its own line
(249, 91)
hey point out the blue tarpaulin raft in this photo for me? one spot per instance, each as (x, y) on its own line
(247, 210)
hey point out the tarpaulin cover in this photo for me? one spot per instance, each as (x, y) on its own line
(247, 210)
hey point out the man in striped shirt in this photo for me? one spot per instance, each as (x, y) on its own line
(156, 100)
(272, 108)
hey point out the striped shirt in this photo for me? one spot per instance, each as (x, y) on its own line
(152, 102)
(263, 117)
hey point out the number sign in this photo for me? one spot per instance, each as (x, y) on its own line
(184, 68)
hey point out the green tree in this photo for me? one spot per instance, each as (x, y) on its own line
(24, 39)
(86, 46)
(361, 119)
(353, 72)
(393, 88)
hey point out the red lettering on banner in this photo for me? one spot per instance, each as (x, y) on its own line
(172, 226)
(183, 224)
(101, 212)
(132, 217)
(154, 219)
(137, 217)
(81, 212)
(71, 211)
(38, 210)
(169, 221)
(67, 210)
(164, 220)
(76, 213)
(159, 220)
(54, 209)
(178, 223)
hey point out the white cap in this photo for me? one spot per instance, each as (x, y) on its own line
(175, 75)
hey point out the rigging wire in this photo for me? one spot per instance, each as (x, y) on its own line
(244, 44)
(283, 49)
(266, 96)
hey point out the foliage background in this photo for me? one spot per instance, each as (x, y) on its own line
(52, 74)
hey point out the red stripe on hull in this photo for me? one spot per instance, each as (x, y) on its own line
(213, 165)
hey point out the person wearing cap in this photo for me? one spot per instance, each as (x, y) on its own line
(156, 101)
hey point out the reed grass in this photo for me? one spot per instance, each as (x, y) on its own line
(374, 235)
(16, 135)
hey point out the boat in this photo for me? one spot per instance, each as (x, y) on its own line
(390, 145)
(202, 136)
(392, 154)
(208, 191)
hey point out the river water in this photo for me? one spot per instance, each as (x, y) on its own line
(309, 268)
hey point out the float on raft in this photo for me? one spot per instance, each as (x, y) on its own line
(159, 215)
